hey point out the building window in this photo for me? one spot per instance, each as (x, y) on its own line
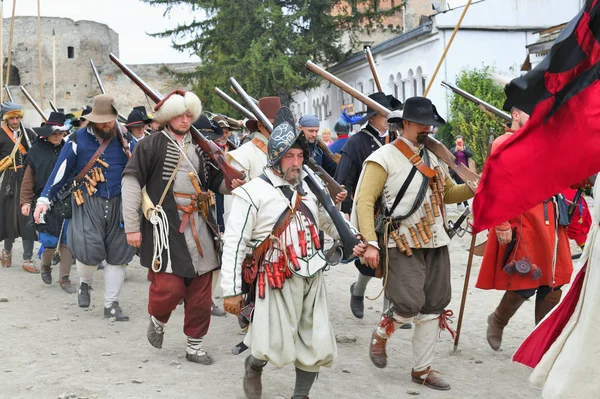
(71, 52)
(424, 84)
(15, 78)
(403, 90)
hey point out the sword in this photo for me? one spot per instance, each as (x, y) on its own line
(455, 228)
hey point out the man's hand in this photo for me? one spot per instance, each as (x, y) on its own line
(233, 304)
(26, 209)
(235, 183)
(504, 236)
(134, 239)
(39, 209)
(359, 249)
(371, 257)
(341, 196)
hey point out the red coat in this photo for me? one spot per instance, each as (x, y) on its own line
(581, 221)
(535, 242)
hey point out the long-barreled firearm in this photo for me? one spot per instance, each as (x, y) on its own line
(335, 157)
(53, 106)
(22, 128)
(373, 69)
(214, 152)
(234, 104)
(482, 104)
(467, 175)
(333, 186)
(347, 237)
(33, 103)
(121, 117)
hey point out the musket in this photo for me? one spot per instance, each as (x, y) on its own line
(33, 103)
(467, 175)
(373, 69)
(482, 104)
(332, 185)
(324, 196)
(122, 118)
(53, 106)
(334, 157)
(21, 127)
(211, 149)
(237, 106)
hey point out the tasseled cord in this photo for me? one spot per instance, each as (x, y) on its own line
(160, 233)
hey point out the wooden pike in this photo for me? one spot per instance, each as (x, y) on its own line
(465, 290)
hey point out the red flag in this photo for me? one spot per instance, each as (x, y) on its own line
(560, 144)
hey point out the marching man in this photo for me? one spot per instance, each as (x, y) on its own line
(179, 237)
(272, 249)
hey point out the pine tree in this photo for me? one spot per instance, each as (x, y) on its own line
(265, 44)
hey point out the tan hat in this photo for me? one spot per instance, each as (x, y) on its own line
(103, 110)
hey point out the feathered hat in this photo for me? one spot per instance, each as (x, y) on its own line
(175, 104)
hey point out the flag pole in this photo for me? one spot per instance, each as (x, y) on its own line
(1, 50)
(40, 52)
(10, 40)
(447, 48)
(465, 290)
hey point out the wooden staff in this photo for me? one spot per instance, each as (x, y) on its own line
(437, 69)
(373, 69)
(40, 53)
(465, 289)
(10, 41)
(1, 50)
(54, 66)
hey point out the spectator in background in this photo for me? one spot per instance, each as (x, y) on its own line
(326, 137)
(464, 156)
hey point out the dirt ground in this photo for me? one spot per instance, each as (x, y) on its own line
(50, 348)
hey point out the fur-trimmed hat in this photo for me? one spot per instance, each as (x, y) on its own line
(11, 110)
(176, 104)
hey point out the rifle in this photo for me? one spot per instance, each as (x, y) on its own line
(211, 149)
(332, 185)
(33, 103)
(121, 117)
(467, 175)
(21, 127)
(485, 107)
(347, 237)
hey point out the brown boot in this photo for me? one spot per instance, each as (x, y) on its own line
(6, 258)
(377, 351)
(542, 308)
(252, 381)
(430, 378)
(511, 301)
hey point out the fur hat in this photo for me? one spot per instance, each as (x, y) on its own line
(11, 110)
(176, 104)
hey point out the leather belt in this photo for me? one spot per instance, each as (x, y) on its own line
(188, 216)
(415, 159)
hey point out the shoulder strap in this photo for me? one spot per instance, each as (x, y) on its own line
(17, 142)
(402, 191)
(92, 160)
(261, 146)
(415, 159)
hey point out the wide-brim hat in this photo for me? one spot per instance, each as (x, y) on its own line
(138, 117)
(380, 98)
(221, 121)
(47, 130)
(56, 119)
(268, 106)
(210, 129)
(418, 110)
(86, 111)
(103, 109)
(175, 104)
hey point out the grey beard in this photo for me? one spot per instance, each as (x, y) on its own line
(295, 181)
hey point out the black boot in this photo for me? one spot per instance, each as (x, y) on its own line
(115, 311)
(46, 274)
(83, 298)
(357, 304)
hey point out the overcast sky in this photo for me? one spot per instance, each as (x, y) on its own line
(131, 19)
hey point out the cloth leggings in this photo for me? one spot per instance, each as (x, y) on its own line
(541, 291)
(27, 247)
(66, 259)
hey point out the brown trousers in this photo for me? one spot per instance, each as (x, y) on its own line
(419, 283)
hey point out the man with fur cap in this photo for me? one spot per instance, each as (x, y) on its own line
(411, 185)
(94, 157)
(53, 232)
(14, 146)
(177, 176)
(268, 238)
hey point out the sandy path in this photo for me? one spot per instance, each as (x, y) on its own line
(49, 347)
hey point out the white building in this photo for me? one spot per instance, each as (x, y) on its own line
(493, 33)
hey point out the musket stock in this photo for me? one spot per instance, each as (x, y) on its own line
(468, 176)
(214, 152)
(373, 68)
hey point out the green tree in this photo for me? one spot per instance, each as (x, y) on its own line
(468, 120)
(265, 44)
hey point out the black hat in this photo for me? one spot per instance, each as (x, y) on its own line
(56, 119)
(208, 128)
(138, 117)
(48, 128)
(87, 110)
(379, 97)
(419, 110)
(394, 103)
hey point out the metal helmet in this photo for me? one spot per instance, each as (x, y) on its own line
(283, 137)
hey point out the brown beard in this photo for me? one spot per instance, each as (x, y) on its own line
(177, 132)
(104, 135)
(422, 137)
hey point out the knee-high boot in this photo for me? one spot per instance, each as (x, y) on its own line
(508, 306)
(543, 307)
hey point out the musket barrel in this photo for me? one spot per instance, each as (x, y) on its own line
(33, 103)
(122, 118)
(472, 98)
(253, 106)
(239, 107)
